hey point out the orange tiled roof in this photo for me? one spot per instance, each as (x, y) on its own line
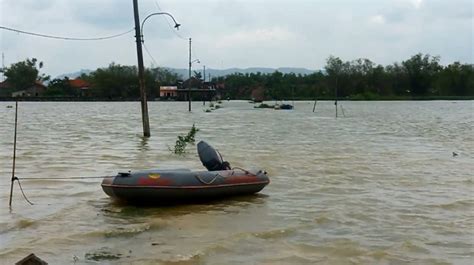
(78, 83)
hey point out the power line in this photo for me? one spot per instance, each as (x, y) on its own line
(149, 54)
(65, 38)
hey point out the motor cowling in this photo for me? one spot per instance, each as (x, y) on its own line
(211, 158)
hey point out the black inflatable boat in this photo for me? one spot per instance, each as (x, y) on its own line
(169, 186)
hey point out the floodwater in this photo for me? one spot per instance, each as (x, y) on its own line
(378, 186)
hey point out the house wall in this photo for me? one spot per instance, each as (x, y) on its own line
(33, 91)
(168, 91)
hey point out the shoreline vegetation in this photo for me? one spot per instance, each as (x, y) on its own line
(421, 77)
(98, 99)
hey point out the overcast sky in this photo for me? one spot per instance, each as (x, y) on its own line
(238, 33)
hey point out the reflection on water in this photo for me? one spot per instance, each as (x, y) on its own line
(377, 186)
(143, 144)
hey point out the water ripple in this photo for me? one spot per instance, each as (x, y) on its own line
(380, 186)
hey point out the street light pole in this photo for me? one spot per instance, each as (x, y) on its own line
(143, 99)
(189, 80)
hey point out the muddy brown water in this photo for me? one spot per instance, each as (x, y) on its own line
(378, 186)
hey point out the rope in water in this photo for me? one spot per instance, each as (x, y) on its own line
(22, 192)
(65, 178)
(58, 178)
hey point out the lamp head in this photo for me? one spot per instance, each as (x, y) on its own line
(177, 26)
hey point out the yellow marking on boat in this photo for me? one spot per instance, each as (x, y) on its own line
(154, 176)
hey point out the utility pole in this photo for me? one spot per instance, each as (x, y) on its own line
(3, 67)
(14, 155)
(189, 81)
(143, 99)
(204, 74)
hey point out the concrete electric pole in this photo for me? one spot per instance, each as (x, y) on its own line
(141, 70)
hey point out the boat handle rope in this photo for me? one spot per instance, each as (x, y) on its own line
(219, 175)
(208, 182)
(244, 170)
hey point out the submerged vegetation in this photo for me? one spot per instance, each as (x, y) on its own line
(103, 254)
(213, 106)
(264, 106)
(183, 141)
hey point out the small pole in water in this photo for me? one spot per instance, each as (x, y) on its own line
(343, 114)
(293, 96)
(315, 98)
(14, 155)
(335, 94)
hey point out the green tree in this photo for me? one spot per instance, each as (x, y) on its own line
(60, 87)
(121, 81)
(164, 76)
(23, 74)
(115, 81)
(421, 70)
(335, 69)
(397, 80)
(457, 79)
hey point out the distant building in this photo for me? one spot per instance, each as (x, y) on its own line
(168, 92)
(198, 90)
(82, 87)
(35, 90)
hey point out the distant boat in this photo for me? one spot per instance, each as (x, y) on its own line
(173, 186)
(283, 106)
(9, 106)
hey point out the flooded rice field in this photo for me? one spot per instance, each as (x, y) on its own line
(378, 186)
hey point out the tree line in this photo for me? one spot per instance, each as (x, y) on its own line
(113, 82)
(121, 81)
(420, 76)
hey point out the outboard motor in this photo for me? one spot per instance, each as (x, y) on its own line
(211, 158)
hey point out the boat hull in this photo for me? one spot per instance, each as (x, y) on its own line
(164, 187)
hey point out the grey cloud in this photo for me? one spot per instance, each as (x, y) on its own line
(454, 9)
(104, 14)
(245, 33)
(32, 4)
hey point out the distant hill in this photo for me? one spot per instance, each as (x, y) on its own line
(75, 74)
(223, 72)
(214, 72)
